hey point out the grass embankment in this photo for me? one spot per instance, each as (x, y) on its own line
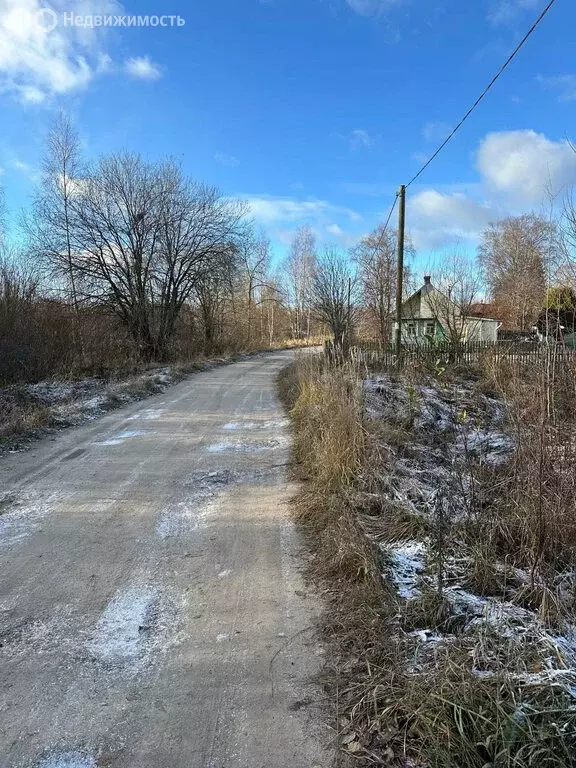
(441, 511)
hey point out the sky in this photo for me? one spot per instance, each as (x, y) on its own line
(313, 111)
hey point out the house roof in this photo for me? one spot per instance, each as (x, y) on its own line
(424, 289)
(483, 310)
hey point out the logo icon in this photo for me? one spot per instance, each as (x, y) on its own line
(46, 19)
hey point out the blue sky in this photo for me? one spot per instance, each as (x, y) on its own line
(314, 111)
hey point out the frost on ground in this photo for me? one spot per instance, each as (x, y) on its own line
(135, 625)
(68, 759)
(447, 431)
(202, 491)
(444, 447)
(28, 411)
(20, 516)
(247, 446)
(121, 437)
(79, 401)
(407, 567)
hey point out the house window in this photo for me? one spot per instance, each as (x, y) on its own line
(430, 328)
(411, 329)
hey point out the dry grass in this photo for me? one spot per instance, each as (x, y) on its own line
(329, 441)
(398, 701)
(21, 415)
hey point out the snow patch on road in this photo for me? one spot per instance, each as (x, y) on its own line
(219, 447)
(247, 447)
(70, 759)
(149, 414)
(181, 517)
(121, 437)
(124, 627)
(21, 518)
(275, 424)
(233, 426)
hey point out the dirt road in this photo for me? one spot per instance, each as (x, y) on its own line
(152, 612)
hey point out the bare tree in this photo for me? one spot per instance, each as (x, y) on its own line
(2, 218)
(299, 269)
(50, 227)
(377, 264)
(254, 261)
(333, 290)
(450, 299)
(271, 308)
(567, 270)
(142, 237)
(516, 255)
(214, 296)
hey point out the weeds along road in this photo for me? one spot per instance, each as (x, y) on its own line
(152, 612)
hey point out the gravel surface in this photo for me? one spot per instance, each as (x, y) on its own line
(152, 608)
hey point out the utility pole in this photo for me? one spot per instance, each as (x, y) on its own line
(400, 282)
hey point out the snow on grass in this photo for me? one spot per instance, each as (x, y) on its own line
(449, 433)
(69, 403)
(491, 446)
(406, 567)
(448, 429)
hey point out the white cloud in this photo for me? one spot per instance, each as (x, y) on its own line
(43, 55)
(37, 61)
(360, 139)
(267, 209)
(524, 166)
(141, 67)
(508, 11)
(372, 7)
(564, 85)
(281, 216)
(443, 217)
(435, 132)
(25, 168)
(227, 160)
(518, 170)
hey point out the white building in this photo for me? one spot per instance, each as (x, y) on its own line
(430, 315)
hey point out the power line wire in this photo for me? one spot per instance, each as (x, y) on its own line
(383, 232)
(389, 215)
(484, 92)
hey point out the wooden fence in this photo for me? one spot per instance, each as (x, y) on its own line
(377, 356)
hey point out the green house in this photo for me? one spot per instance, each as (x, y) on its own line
(429, 315)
